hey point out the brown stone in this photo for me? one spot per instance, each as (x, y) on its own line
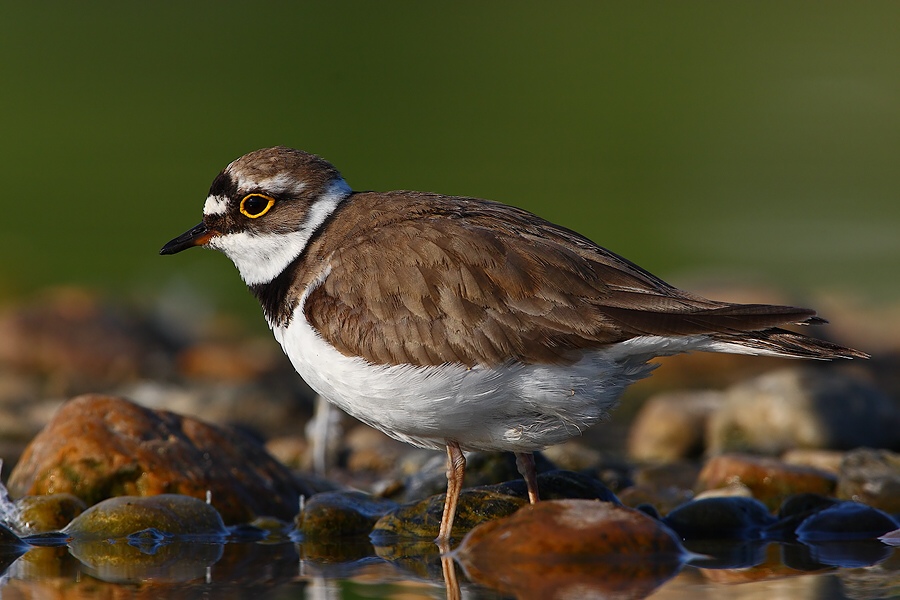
(770, 480)
(672, 426)
(97, 447)
(572, 549)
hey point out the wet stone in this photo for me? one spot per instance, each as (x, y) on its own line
(340, 514)
(845, 521)
(720, 518)
(770, 480)
(570, 549)
(97, 447)
(171, 514)
(485, 503)
(871, 477)
(39, 514)
(804, 407)
(423, 519)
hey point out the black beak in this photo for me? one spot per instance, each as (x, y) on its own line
(196, 236)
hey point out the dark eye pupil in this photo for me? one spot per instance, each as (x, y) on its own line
(255, 205)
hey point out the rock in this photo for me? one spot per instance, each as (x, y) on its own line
(39, 514)
(671, 426)
(332, 515)
(770, 480)
(720, 518)
(845, 521)
(871, 477)
(97, 447)
(272, 407)
(485, 503)
(172, 514)
(572, 549)
(803, 408)
(423, 519)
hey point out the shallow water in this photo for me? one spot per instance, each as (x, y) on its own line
(356, 569)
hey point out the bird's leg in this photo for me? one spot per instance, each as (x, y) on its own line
(456, 470)
(525, 464)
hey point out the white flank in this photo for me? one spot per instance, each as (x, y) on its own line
(260, 258)
(514, 407)
(215, 205)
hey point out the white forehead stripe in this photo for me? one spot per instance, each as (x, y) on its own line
(260, 258)
(215, 205)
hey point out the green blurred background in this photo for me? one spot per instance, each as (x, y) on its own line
(759, 140)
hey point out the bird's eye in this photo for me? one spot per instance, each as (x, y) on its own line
(256, 205)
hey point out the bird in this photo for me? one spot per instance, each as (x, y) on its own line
(457, 323)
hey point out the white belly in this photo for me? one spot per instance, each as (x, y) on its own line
(515, 407)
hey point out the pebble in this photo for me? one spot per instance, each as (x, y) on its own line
(770, 480)
(720, 518)
(845, 521)
(102, 446)
(572, 549)
(422, 519)
(51, 512)
(170, 514)
(332, 515)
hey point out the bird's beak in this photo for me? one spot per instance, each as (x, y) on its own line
(196, 236)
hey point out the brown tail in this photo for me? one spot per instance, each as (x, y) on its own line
(781, 342)
(750, 328)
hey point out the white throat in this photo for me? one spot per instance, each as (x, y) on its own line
(260, 258)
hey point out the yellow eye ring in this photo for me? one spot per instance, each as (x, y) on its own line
(256, 205)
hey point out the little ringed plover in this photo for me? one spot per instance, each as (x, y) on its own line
(459, 323)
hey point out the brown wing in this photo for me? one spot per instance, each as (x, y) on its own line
(473, 282)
